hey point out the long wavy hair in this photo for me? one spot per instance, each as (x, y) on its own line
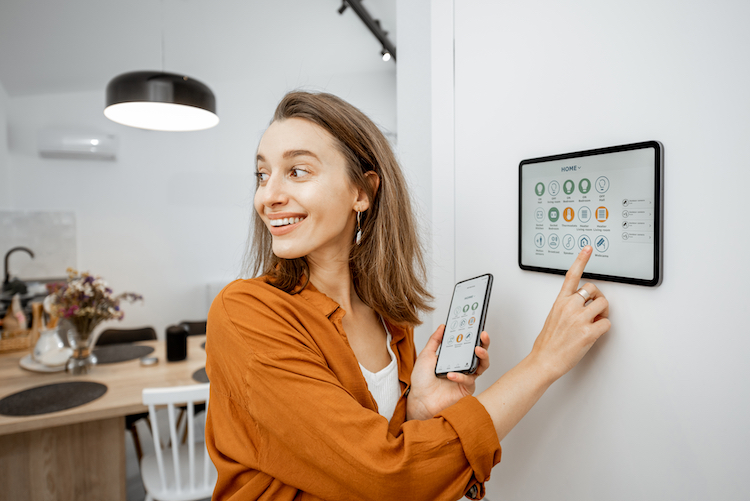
(388, 267)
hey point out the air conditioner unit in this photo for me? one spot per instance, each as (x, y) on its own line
(77, 144)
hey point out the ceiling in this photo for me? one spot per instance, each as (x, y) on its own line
(49, 46)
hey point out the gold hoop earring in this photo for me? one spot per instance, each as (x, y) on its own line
(358, 238)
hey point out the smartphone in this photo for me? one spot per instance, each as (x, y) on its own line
(465, 323)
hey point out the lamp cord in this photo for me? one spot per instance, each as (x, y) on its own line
(162, 35)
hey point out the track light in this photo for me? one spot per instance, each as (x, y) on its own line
(386, 55)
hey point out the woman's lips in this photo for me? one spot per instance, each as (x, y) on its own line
(278, 231)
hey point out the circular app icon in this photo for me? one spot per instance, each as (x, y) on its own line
(624, 236)
(472, 320)
(554, 188)
(554, 241)
(460, 338)
(539, 189)
(601, 243)
(584, 185)
(453, 324)
(568, 214)
(569, 186)
(539, 240)
(466, 308)
(584, 214)
(625, 202)
(457, 311)
(602, 184)
(583, 241)
(625, 213)
(539, 214)
(624, 225)
(474, 306)
(568, 241)
(554, 214)
(463, 323)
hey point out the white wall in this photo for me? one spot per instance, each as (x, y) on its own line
(4, 160)
(414, 103)
(171, 214)
(659, 408)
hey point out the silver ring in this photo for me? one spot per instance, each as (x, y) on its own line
(584, 294)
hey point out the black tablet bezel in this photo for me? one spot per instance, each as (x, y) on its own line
(658, 216)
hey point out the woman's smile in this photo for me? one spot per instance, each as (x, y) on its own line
(283, 223)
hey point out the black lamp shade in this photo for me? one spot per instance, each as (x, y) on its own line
(160, 101)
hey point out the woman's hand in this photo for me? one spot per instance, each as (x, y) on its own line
(574, 323)
(430, 394)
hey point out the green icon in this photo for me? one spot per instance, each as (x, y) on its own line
(569, 186)
(466, 308)
(539, 189)
(554, 214)
(584, 185)
(475, 306)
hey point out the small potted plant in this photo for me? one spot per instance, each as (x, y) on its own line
(85, 301)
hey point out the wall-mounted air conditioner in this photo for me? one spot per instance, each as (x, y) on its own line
(77, 144)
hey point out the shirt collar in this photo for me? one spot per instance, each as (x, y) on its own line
(327, 306)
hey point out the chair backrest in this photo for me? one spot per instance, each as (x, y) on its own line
(195, 328)
(189, 395)
(119, 336)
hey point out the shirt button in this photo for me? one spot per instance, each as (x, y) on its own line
(472, 492)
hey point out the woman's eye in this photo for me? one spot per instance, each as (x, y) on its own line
(297, 172)
(262, 176)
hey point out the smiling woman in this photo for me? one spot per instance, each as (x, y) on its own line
(316, 389)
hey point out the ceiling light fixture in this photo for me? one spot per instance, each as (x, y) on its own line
(156, 100)
(373, 25)
(160, 101)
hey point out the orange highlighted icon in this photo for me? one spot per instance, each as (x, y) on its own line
(602, 214)
(569, 214)
(460, 338)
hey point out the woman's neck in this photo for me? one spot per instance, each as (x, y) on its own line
(333, 278)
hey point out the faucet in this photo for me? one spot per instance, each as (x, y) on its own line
(15, 284)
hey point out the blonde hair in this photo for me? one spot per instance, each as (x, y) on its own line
(387, 268)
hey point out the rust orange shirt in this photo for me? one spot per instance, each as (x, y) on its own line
(290, 415)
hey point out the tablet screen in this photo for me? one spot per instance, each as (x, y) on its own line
(608, 198)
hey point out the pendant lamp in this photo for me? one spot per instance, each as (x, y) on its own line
(160, 101)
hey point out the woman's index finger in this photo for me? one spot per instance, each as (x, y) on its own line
(573, 277)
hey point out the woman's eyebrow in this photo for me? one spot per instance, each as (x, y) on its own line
(299, 153)
(291, 154)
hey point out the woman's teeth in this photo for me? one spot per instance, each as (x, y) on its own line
(285, 221)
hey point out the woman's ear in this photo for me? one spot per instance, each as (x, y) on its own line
(363, 201)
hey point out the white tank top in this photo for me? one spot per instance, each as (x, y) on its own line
(384, 384)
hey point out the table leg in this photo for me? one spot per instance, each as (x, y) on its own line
(77, 461)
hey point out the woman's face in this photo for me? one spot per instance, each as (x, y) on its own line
(304, 195)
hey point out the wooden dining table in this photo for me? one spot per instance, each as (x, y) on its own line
(79, 453)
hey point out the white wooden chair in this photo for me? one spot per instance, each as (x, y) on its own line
(176, 475)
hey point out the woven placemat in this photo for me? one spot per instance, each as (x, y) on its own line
(201, 376)
(114, 353)
(51, 398)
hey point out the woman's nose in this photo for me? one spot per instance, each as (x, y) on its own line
(273, 193)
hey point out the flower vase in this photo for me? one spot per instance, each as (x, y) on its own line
(83, 359)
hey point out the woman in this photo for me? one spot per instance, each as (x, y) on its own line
(316, 390)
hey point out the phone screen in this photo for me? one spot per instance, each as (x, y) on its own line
(464, 325)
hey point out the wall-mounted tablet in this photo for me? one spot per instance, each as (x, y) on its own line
(609, 198)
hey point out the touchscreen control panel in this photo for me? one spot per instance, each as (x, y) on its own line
(609, 199)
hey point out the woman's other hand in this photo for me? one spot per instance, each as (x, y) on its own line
(430, 394)
(574, 323)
